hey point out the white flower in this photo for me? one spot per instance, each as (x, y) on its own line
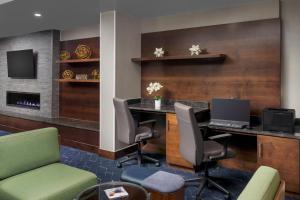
(195, 50)
(153, 87)
(159, 52)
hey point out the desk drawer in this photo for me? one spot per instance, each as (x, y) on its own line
(172, 143)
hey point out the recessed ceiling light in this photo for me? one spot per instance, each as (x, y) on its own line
(5, 1)
(37, 14)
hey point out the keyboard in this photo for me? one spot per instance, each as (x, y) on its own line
(227, 124)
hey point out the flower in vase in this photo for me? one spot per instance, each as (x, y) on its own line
(154, 87)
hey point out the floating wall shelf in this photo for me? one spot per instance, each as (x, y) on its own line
(90, 60)
(200, 58)
(78, 81)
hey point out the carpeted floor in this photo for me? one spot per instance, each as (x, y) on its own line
(2, 133)
(106, 170)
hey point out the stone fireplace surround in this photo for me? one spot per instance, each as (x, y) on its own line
(46, 45)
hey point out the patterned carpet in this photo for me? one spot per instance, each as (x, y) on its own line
(2, 133)
(106, 170)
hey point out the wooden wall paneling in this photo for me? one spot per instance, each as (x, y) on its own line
(80, 100)
(70, 45)
(78, 138)
(251, 70)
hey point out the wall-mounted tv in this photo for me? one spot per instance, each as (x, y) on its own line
(21, 64)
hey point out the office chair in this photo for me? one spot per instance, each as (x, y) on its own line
(197, 151)
(129, 133)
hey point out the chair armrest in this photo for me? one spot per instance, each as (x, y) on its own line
(151, 121)
(203, 124)
(221, 136)
(224, 140)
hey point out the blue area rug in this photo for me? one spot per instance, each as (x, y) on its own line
(3, 133)
(106, 170)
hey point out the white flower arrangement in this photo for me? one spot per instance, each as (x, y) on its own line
(195, 50)
(159, 52)
(154, 87)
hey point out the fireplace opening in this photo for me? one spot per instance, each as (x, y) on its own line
(23, 99)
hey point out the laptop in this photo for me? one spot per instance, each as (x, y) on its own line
(232, 113)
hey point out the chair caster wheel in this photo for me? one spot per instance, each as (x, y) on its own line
(119, 165)
(227, 197)
(157, 164)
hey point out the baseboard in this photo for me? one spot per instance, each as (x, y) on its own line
(118, 154)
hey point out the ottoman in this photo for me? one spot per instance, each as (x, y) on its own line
(161, 184)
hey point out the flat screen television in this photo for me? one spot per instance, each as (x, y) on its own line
(21, 64)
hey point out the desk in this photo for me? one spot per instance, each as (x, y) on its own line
(168, 142)
(254, 147)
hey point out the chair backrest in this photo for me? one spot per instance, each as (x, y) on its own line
(125, 122)
(191, 141)
(22, 152)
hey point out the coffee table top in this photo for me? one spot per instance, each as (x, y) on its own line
(134, 191)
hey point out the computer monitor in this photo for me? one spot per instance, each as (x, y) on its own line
(231, 112)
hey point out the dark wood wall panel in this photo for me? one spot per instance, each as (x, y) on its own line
(75, 137)
(80, 100)
(252, 69)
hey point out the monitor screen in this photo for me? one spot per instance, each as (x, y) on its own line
(231, 110)
(21, 64)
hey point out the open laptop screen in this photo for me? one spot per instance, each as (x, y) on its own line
(231, 110)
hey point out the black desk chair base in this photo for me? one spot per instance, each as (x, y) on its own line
(139, 157)
(206, 181)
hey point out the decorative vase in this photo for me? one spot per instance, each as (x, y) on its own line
(157, 103)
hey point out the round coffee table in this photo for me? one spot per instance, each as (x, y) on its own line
(135, 192)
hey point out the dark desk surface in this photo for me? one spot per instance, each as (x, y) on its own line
(255, 130)
(166, 107)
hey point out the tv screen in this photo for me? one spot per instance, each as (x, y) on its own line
(21, 64)
(231, 110)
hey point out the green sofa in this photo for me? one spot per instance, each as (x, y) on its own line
(264, 185)
(30, 168)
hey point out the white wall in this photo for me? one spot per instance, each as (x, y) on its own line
(120, 41)
(291, 59)
(108, 84)
(128, 45)
(80, 32)
(264, 9)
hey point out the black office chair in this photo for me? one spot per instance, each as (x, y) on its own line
(128, 133)
(197, 151)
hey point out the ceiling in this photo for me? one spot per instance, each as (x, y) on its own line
(16, 17)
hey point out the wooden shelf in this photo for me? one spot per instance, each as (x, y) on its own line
(200, 58)
(90, 60)
(78, 81)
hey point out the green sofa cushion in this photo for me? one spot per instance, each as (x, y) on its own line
(262, 186)
(53, 182)
(29, 150)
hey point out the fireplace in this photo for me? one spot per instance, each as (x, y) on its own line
(23, 99)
